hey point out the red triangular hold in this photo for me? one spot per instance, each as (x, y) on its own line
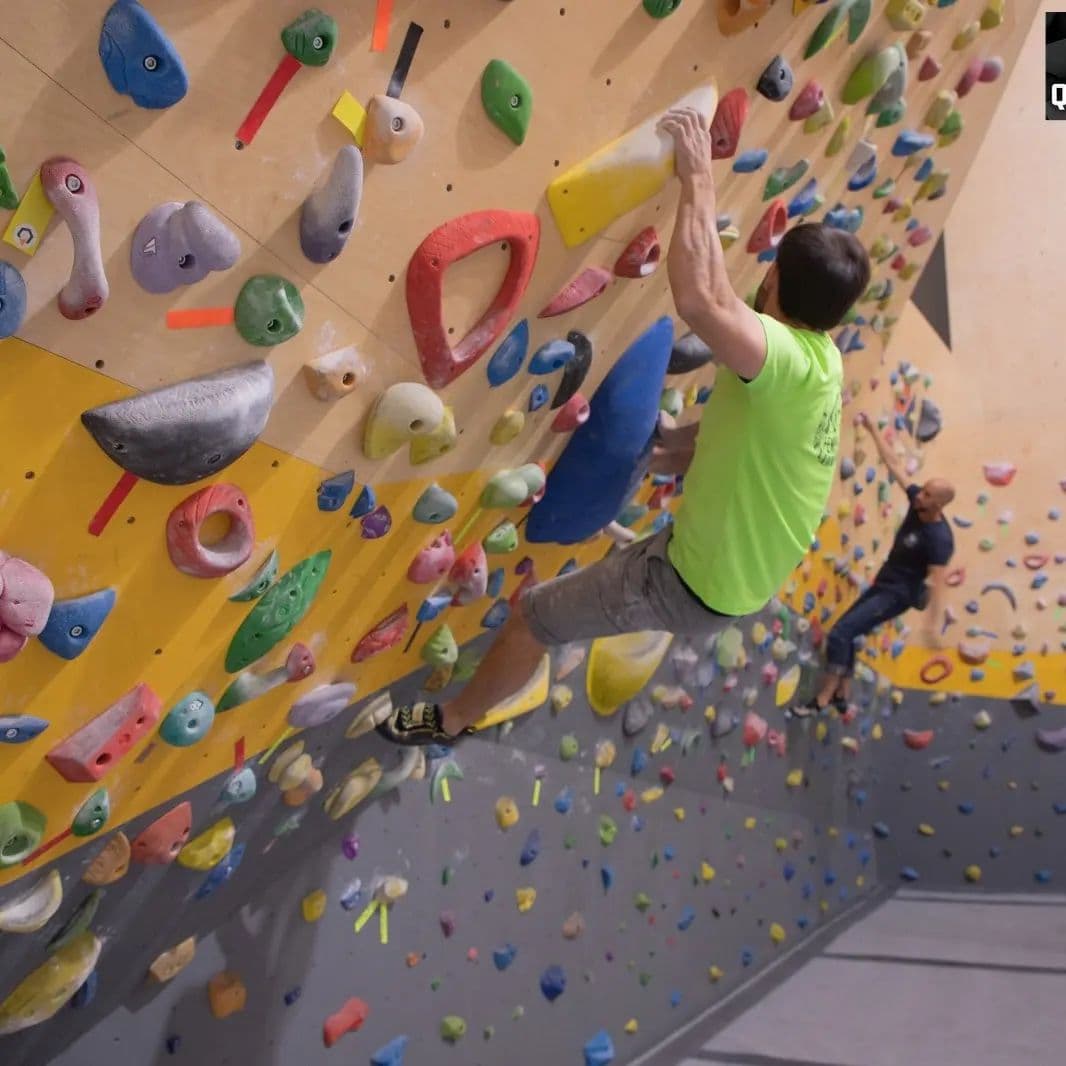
(454, 240)
(808, 102)
(590, 283)
(728, 121)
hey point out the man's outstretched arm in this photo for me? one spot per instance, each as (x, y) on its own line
(696, 264)
(887, 457)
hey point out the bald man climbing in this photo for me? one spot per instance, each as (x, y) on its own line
(758, 467)
(911, 577)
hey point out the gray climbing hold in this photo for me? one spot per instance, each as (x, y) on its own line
(724, 724)
(637, 715)
(321, 705)
(329, 213)
(689, 353)
(179, 244)
(775, 82)
(1053, 740)
(930, 422)
(185, 432)
(12, 299)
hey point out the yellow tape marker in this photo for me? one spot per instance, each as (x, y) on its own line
(30, 219)
(351, 115)
(282, 737)
(367, 914)
(536, 792)
(445, 791)
(596, 781)
(383, 923)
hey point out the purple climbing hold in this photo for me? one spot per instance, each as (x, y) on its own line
(531, 848)
(377, 523)
(350, 846)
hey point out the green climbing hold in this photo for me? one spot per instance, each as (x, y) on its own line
(503, 539)
(507, 99)
(9, 199)
(659, 9)
(642, 901)
(568, 747)
(645, 980)
(281, 609)
(440, 649)
(840, 135)
(951, 129)
(729, 650)
(269, 310)
(452, 1028)
(468, 661)
(783, 178)
(608, 830)
(855, 12)
(77, 923)
(886, 188)
(672, 402)
(891, 114)
(871, 74)
(260, 581)
(569, 842)
(310, 38)
(92, 815)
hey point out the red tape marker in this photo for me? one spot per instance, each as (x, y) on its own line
(46, 846)
(380, 39)
(198, 317)
(238, 754)
(267, 99)
(114, 501)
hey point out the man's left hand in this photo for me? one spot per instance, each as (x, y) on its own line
(692, 142)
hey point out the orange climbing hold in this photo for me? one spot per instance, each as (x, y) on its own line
(735, 16)
(226, 993)
(918, 739)
(936, 670)
(349, 1019)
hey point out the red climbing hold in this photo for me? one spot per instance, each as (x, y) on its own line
(299, 663)
(917, 739)
(937, 669)
(433, 561)
(590, 283)
(1000, 474)
(159, 843)
(970, 76)
(349, 1019)
(386, 634)
(454, 240)
(573, 413)
(729, 119)
(930, 68)
(755, 727)
(185, 543)
(919, 235)
(641, 256)
(808, 103)
(469, 575)
(667, 776)
(771, 228)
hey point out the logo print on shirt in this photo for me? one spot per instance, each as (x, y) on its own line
(827, 435)
(910, 540)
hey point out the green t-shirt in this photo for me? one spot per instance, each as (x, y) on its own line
(761, 474)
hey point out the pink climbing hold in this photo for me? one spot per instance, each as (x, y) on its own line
(573, 413)
(299, 663)
(389, 632)
(970, 76)
(777, 742)
(189, 553)
(433, 561)
(729, 119)
(771, 228)
(991, 69)
(26, 597)
(918, 739)
(929, 69)
(755, 728)
(1000, 474)
(590, 283)
(469, 575)
(641, 256)
(809, 102)
(919, 235)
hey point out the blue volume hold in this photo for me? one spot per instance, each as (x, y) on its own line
(139, 59)
(73, 624)
(507, 360)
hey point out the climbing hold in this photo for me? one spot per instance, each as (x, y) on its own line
(508, 426)
(1053, 740)
(553, 983)
(390, 1054)
(226, 994)
(349, 1019)
(590, 283)
(41, 994)
(599, 1049)
(910, 141)
(71, 192)
(185, 544)
(329, 214)
(403, 412)
(783, 178)
(525, 898)
(393, 130)
(269, 310)
(425, 447)
(777, 933)
(770, 229)
(506, 812)
(73, 624)
(454, 240)
(138, 58)
(452, 1028)
(659, 9)
(689, 353)
(159, 843)
(966, 36)
(433, 561)
(12, 297)
(918, 739)
(335, 374)
(179, 244)
(881, 75)
(189, 431)
(775, 82)
(353, 789)
(168, 964)
(503, 957)
(32, 909)
(937, 669)
(280, 610)
(210, 847)
(321, 705)
(333, 491)
(188, 721)
(574, 413)
(619, 177)
(809, 101)
(750, 161)
(1001, 473)
(507, 99)
(855, 12)
(110, 863)
(641, 256)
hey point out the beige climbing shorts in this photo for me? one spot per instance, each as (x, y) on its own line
(631, 590)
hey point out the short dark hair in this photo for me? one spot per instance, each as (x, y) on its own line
(822, 271)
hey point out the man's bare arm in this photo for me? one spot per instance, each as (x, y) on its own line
(897, 472)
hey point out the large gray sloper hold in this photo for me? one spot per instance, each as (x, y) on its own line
(179, 244)
(329, 213)
(185, 432)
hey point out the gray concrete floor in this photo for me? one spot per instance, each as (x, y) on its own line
(925, 979)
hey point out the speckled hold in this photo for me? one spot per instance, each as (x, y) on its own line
(568, 747)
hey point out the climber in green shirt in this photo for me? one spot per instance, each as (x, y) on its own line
(758, 466)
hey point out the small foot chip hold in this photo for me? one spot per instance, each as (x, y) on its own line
(452, 1028)
(170, 963)
(390, 1054)
(349, 1019)
(226, 994)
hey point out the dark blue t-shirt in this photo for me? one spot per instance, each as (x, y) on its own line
(918, 546)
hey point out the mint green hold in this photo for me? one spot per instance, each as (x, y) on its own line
(507, 99)
(269, 310)
(501, 540)
(92, 815)
(440, 649)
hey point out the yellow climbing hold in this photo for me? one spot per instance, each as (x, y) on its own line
(631, 1026)
(353, 789)
(679, 813)
(525, 898)
(715, 974)
(1017, 830)
(48, 988)
(710, 713)
(170, 963)
(533, 694)
(850, 744)
(429, 446)
(982, 720)
(821, 731)
(878, 732)
(777, 933)
(507, 427)
(750, 822)
(972, 874)
(943, 785)
(794, 778)
(207, 850)
(823, 906)
(605, 754)
(707, 872)
(506, 812)
(561, 697)
(926, 830)
(620, 176)
(758, 633)
(833, 833)
(661, 740)
(650, 795)
(787, 684)
(619, 667)
(313, 906)
(966, 36)
(780, 844)
(992, 16)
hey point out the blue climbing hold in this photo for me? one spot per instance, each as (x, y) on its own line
(788, 871)
(292, 995)
(747, 956)
(567, 568)
(924, 170)
(750, 161)
(12, 299)
(808, 602)
(432, 606)
(637, 823)
(352, 895)
(864, 858)
(631, 514)
(910, 141)
(495, 582)
(599, 1049)
(538, 397)
(531, 848)
(334, 490)
(804, 200)
(551, 357)
(864, 175)
(172, 1044)
(662, 520)
(688, 916)
(188, 721)
(668, 853)
(966, 807)
(365, 502)
(390, 1054)
(606, 457)
(87, 993)
(496, 615)
(139, 59)
(1042, 877)
(675, 999)
(607, 877)
(72, 624)
(841, 217)
(908, 873)
(507, 360)
(767, 255)
(803, 921)
(829, 877)
(18, 728)
(564, 801)
(220, 874)
(553, 983)
(807, 890)
(639, 761)
(704, 394)
(503, 957)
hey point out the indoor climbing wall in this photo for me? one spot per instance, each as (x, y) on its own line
(300, 308)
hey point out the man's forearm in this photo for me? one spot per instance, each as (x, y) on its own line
(887, 457)
(695, 263)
